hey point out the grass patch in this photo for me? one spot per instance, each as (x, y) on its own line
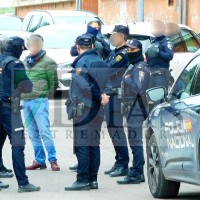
(7, 11)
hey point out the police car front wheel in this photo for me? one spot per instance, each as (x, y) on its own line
(158, 185)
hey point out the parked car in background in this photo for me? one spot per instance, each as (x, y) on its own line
(186, 43)
(173, 134)
(11, 26)
(58, 43)
(10, 23)
(39, 18)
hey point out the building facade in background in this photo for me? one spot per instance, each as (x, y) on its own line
(123, 11)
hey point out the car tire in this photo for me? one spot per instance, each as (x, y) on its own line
(158, 185)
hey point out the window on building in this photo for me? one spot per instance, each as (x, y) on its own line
(170, 2)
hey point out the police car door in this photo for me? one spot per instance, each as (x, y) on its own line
(180, 119)
(191, 152)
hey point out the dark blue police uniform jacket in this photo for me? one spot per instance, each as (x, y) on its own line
(160, 53)
(11, 77)
(117, 63)
(136, 85)
(89, 79)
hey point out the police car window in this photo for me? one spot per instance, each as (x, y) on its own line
(190, 42)
(197, 85)
(44, 22)
(178, 44)
(34, 23)
(183, 86)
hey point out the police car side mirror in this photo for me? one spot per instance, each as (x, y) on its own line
(156, 95)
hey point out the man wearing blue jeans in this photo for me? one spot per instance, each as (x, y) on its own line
(42, 71)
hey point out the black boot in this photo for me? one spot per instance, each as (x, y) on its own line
(130, 180)
(94, 185)
(3, 168)
(74, 168)
(3, 185)
(5, 173)
(78, 186)
(119, 171)
(110, 171)
(142, 177)
(28, 188)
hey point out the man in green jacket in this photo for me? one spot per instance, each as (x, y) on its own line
(42, 71)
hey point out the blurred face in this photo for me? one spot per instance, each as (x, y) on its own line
(117, 39)
(158, 28)
(172, 29)
(95, 25)
(34, 45)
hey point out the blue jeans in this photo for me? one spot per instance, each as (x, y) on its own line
(36, 115)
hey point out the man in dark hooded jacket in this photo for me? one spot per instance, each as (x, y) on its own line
(94, 31)
(13, 81)
(4, 172)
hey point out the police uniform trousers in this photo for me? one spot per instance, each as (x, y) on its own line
(87, 143)
(12, 125)
(114, 120)
(3, 136)
(135, 119)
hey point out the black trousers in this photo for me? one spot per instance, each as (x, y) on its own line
(12, 125)
(87, 144)
(3, 137)
(114, 120)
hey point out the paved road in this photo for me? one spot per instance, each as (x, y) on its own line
(52, 183)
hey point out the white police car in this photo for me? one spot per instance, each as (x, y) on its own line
(173, 134)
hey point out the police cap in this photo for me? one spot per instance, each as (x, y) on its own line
(84, 40)
(15, 40)
(121, 29)
(134, 43)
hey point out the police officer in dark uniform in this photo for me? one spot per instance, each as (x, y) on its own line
(159, 55)
(89, 79)
(118, 63)
(13, 81)
(134, 106)
(4, 172)
(94, 30)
